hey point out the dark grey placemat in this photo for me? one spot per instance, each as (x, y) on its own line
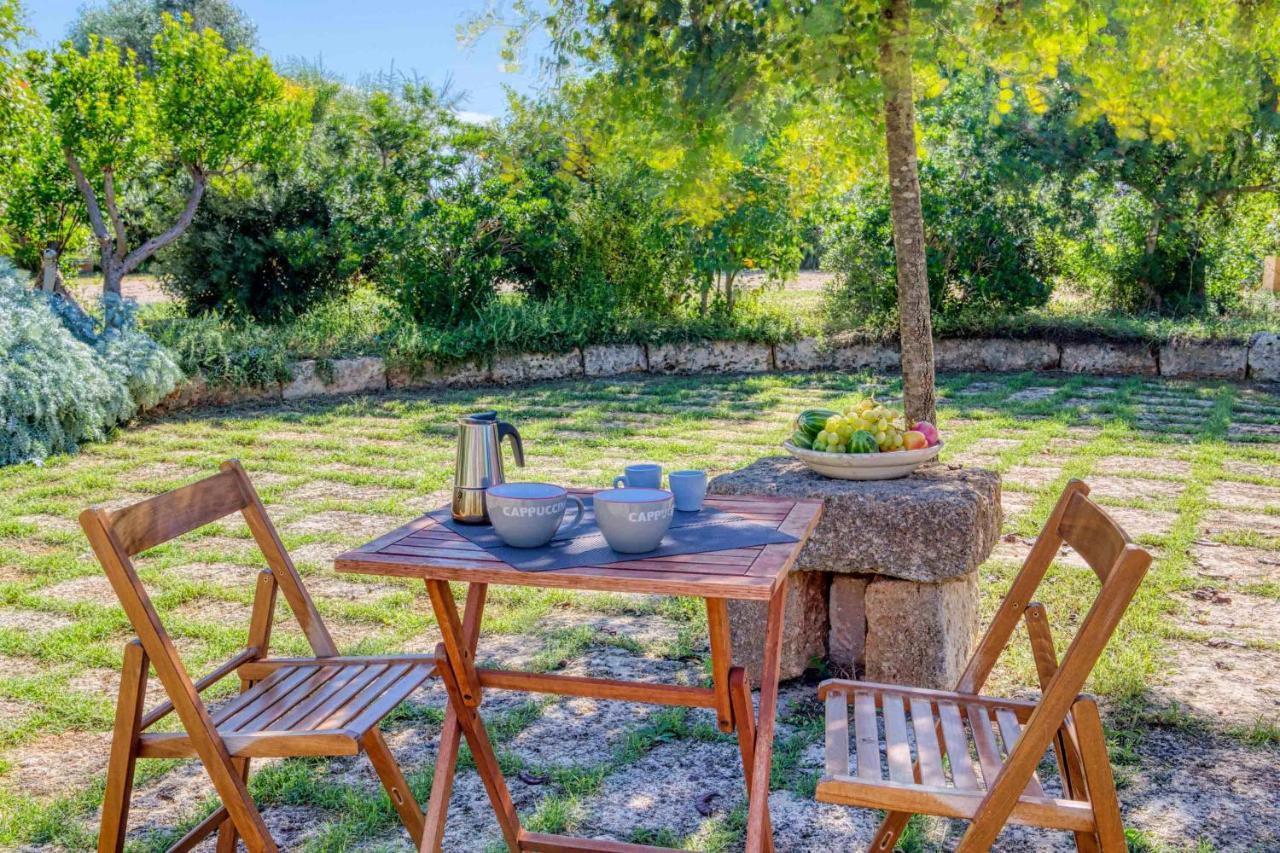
(710, 529)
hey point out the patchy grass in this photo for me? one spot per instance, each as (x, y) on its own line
(1164, 457)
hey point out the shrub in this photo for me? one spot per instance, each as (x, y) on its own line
(63, 381)
(985, 252)
(228, 354)
(266, 253)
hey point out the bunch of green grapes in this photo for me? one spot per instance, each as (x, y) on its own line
(887, 425)
(834, 437)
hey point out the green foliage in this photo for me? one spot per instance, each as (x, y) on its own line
(984, 250)
(265, 250)
(62, 383)
(41, 207)
(199, 111)
(134, 24)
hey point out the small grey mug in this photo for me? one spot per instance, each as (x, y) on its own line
(646, 475)
(528, 515)
(690, 489)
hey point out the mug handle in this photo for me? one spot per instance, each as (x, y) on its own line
(577, 519)
(620, 481)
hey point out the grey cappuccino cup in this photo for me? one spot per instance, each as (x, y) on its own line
(634, 521)
(528, 515)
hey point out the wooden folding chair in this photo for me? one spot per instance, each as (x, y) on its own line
(989, 775)
(324, 705)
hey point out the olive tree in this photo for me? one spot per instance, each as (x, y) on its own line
(134, 24)
(201, 111)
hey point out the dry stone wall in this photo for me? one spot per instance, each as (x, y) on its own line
(1257, 360)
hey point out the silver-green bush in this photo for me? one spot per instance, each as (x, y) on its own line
(63, 380)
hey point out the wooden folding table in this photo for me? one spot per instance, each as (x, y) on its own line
(427, 550)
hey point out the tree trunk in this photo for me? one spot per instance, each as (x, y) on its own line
(914, 322)
(49, 270)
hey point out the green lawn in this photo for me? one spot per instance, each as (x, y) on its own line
(1192, 470)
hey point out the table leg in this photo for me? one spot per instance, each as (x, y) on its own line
(721, 660)
(482, 751)
(744, 720)
(451, 734)
(460, 657)
(758, 799)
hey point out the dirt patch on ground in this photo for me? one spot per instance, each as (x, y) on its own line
(1032, 476)
(31, 621)
(1225, 684)
(94, 589)
(1142, 522)
(1250, 469)
(1245, 495)
(320, 490)
(1134, 488)
(58, 764)
(1228, 521)
(1142, 465)
(349, 524)
(1191, 787)
(1232, 616)
(1015, 505)
(1238, 565)
(662, 791)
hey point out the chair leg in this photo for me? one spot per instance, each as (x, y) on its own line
(1100, 782)
(891, 829)
(124, 749)
(393, 780)
(227, 833)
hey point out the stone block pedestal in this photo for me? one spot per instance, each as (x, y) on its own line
(886, 588)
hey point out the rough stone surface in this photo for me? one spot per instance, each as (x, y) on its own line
(876, 357)
(920, 633)
(711, 357)
(804, 630)
(1264, 357)
(1204, 359)
(804, 354)
(880, 526)
(995, 354)
(847, 612)
(615, 359)
(350, 376)
(196, 391)
(534, 367)
(1109, 358)
(465, 375)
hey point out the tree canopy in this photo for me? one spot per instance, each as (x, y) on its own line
(134, 24)
(200, 109)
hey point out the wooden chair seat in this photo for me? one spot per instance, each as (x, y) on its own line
(961, 743)
(304, 709)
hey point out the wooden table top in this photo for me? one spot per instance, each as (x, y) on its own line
(426, 549)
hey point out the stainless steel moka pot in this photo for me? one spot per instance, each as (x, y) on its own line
(479, 463)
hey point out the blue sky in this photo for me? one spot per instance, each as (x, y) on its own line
(356, 37)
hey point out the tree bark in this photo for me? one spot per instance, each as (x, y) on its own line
(914, 322)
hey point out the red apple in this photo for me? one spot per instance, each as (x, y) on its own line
(929, 431)
(914, 440)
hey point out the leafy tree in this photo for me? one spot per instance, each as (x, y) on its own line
(203, 111)
(42, 217)
(705, 70)
(134, 24)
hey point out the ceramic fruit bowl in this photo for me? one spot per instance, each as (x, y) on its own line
(864, 466)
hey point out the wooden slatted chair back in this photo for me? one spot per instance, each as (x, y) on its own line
(118, 535)
(1079, 522)
(1120, 566)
